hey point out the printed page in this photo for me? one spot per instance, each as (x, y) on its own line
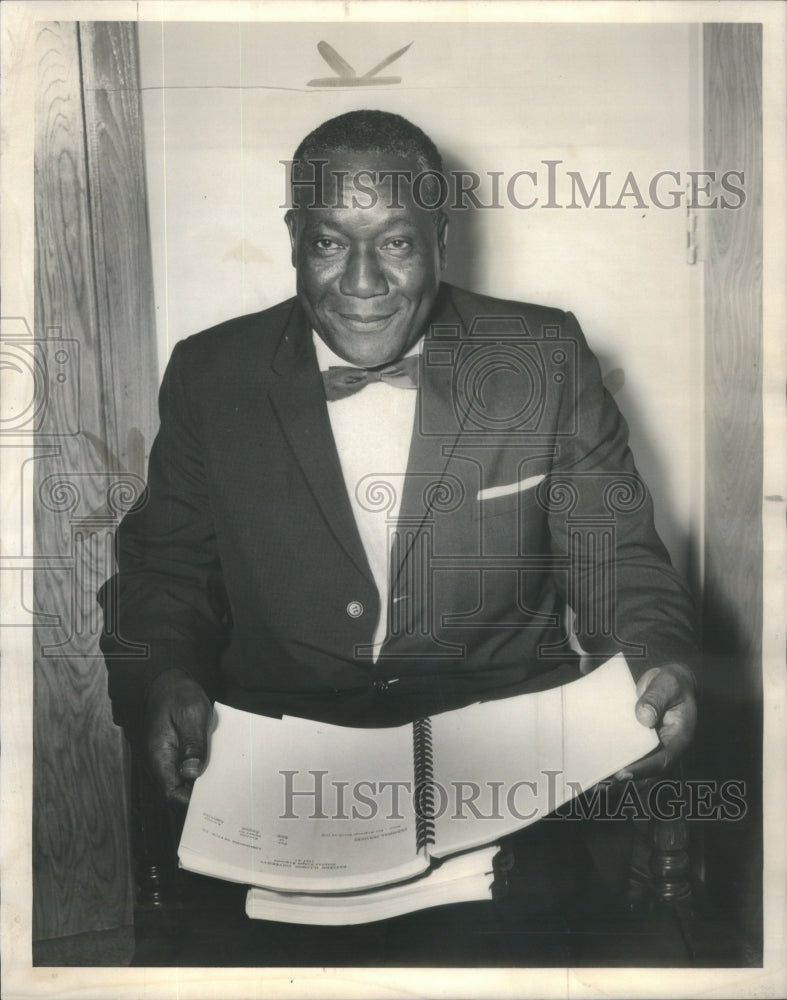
(462, 879)
(298, 805)
(501, 765)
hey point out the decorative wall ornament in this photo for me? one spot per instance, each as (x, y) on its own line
(346, 75)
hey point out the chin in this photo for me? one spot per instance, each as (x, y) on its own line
(368, 351)
(370, 356)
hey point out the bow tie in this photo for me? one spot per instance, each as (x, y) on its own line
(341, 382)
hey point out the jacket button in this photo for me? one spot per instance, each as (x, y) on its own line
(355, 609)
(381, 687)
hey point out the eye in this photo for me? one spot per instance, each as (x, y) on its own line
(326, 246)
(398, 246)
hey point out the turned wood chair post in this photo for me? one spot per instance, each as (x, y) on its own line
(669, 859)
(660, 869)
(153, 837)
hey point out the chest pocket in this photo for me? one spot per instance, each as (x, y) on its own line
(513, 497)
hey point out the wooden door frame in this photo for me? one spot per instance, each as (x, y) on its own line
(729, 745)
(94, 326)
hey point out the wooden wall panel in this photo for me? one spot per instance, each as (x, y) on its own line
(731, 731)
(93, 314)
(124, 275)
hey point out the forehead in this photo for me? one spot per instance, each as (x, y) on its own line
(366, 190)
(354, 161)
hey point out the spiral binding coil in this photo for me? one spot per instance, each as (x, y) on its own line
(424, 784)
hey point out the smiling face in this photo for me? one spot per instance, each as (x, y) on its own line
(367, 276)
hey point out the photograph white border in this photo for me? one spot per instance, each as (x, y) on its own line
(20, 979)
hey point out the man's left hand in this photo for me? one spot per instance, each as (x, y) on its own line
(665, 702)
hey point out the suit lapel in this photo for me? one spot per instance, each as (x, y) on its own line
(436, 431)
(298, 398)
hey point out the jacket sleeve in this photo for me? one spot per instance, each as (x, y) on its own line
(620, 583)
(166, 606)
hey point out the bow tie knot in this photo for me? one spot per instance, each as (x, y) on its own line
(341, 381)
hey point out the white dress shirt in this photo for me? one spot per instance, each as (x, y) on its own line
(373, 429)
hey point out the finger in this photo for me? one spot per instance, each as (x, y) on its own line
(164, 765)
(181, 795)
(675, 733)
(658, 691)
(677, 728)
(646, 767)
(192, 768)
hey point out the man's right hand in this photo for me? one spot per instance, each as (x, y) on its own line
(177, 720)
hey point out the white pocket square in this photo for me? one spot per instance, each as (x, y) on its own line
(503, 491)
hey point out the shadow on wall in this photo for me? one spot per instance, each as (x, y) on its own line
(467, 245)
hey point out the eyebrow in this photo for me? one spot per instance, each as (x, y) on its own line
(400, 226)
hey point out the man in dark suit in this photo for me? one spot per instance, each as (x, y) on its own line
(376, 500)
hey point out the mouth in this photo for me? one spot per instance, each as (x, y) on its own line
(365, 323)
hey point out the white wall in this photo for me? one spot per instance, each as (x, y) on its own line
(224, 103)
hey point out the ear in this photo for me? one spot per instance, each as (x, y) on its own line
(291, 220)
(442, 237)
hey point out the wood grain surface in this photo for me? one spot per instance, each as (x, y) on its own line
(730, 735)
(733, 357)
(95, 346)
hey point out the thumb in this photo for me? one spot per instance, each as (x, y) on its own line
(192, 748)
(657, 690)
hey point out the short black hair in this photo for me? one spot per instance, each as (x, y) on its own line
(369, 131)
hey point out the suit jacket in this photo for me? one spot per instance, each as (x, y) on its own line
(243, 566)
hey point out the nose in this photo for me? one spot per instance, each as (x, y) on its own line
(363, 277)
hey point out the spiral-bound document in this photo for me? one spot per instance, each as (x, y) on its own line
(305, 807)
